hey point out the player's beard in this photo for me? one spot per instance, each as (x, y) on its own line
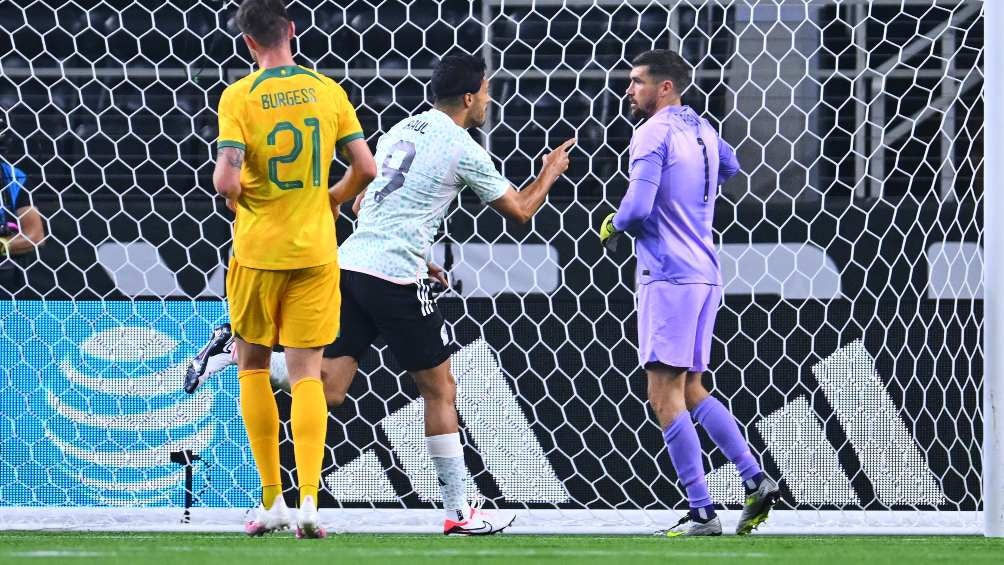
(639, 112)
(478, 121)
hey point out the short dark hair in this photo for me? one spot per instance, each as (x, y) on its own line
(664, 64)
(457, 75)
(264, 20)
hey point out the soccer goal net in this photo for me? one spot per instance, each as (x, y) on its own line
(848, 345)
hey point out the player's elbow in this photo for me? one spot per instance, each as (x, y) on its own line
(520, 214)
(515, 214)
(227, 189)
(37, 238)
(32, 226)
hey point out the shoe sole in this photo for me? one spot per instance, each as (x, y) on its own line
(689, 535)
(264, 531)
(760, 517)
(311, 532)
(454, 532)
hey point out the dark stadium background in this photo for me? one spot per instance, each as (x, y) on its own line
(115, 160)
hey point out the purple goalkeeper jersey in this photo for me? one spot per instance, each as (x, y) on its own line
(677, 162)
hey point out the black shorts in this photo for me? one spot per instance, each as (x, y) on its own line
(405, 316)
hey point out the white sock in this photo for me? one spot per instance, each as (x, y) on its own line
(448, 456)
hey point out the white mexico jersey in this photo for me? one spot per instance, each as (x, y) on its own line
(424, 161)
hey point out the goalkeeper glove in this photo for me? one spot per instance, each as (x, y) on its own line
(7, 231)
(609, 234)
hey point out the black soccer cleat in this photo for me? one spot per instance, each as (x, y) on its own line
(757, 506)
(216, 355)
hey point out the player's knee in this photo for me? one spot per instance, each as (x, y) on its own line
(251, 356)
(663, 401)
(695, 393)
(441, 390)
(444, 393)
(337, 375)
(667, 398)
(333, 395)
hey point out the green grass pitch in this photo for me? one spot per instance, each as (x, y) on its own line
(358, 549)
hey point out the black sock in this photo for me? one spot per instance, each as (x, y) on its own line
(752, 484)
(703, 514)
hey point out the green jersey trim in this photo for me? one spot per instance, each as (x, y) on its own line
(230, 143)
(341, 143)
(281, 72)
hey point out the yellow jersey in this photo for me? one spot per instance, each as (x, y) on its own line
(289, 121)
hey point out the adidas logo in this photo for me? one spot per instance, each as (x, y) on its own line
(483, 395)
(797, 442)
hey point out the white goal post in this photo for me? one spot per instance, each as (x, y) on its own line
(856, 342)
(993, 381)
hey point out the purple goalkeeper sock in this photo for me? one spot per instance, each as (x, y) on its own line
(685, 453)
(715, 418)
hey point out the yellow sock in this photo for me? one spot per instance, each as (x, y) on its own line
(261, 419)
(309, 415)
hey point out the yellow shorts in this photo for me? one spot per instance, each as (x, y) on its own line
(294, 308)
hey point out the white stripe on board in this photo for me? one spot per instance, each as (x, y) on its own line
(361, 480)
(167, 381)
(888, 453)
(497, 424)
(154, 457)
(405, 429)
(808, 462)
(185, 413)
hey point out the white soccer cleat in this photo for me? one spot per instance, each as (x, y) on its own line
(218, 354)
(307, 526)
(479, 522)
(270, 520)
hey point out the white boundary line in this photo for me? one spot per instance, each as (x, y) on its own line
(602, 522)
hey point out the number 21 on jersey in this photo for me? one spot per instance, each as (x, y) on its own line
(315, 153)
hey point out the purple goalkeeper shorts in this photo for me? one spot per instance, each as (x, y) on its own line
(676, 323)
